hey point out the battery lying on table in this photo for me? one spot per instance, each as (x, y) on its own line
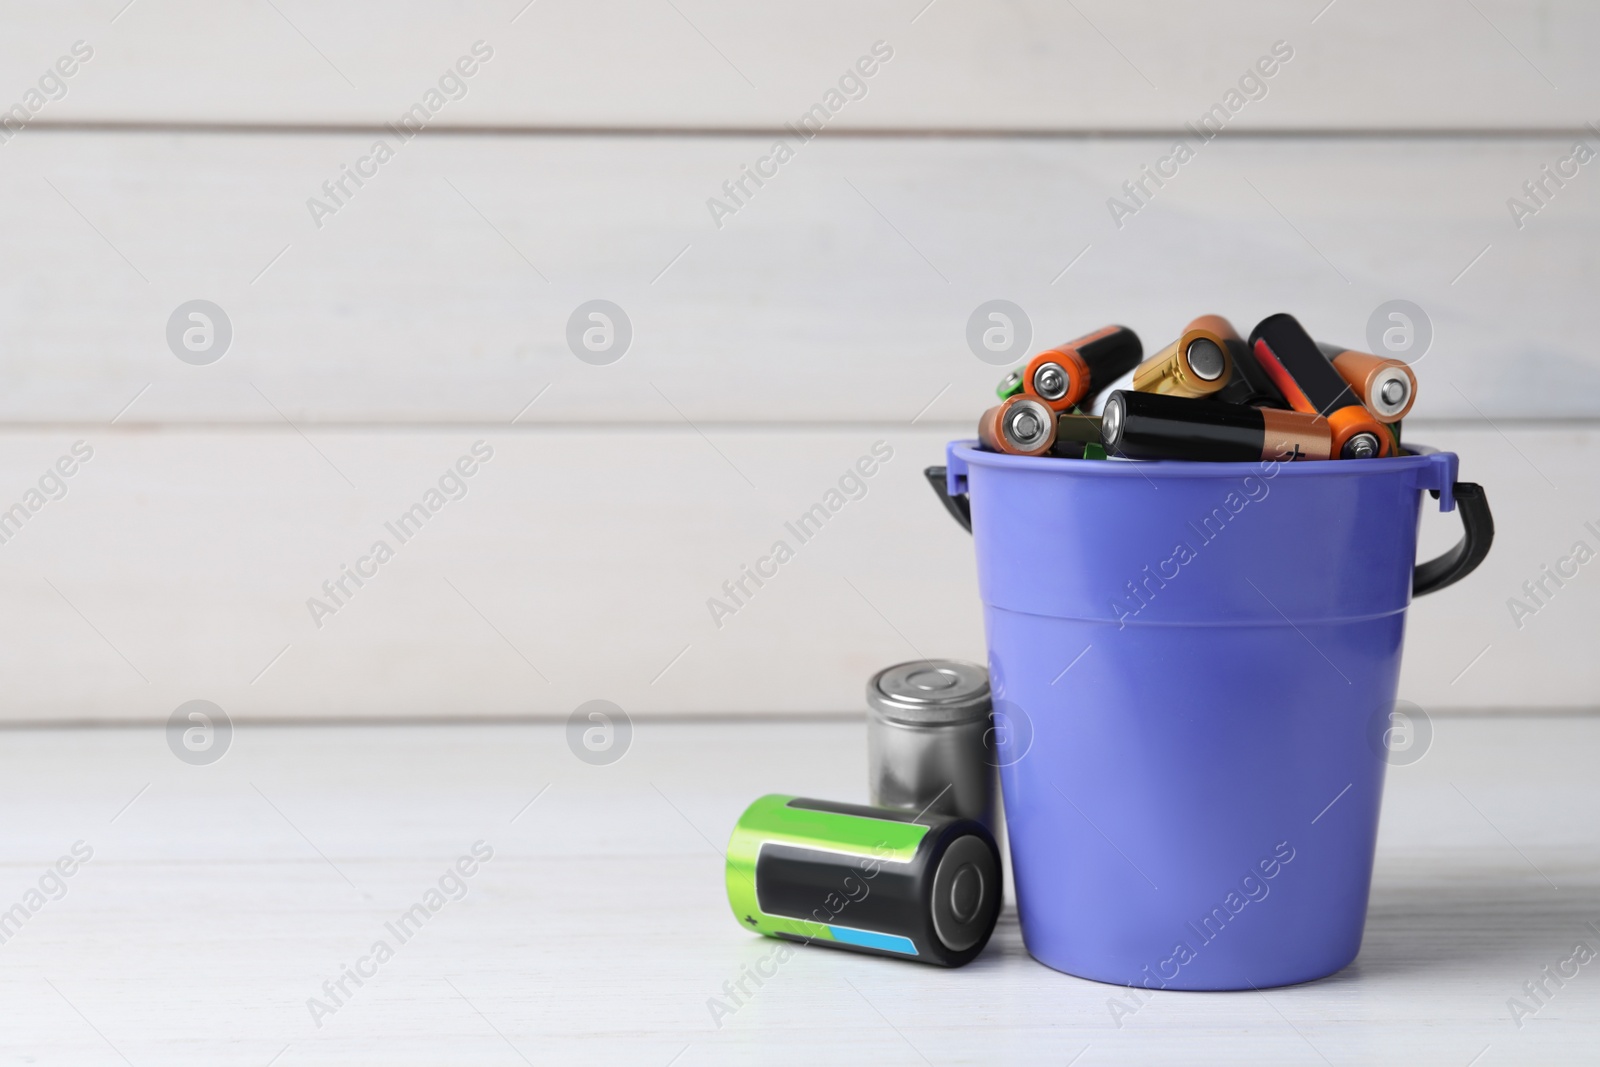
(1025, 426)
(870, 880)
(1074, 373)
(1311, 384)
(1152, 426)
(1387, 387)
(1197, 364)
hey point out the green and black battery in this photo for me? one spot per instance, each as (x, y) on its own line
(872, 880)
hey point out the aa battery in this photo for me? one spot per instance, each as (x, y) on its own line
(1153, 426)
(928, 739)
(1026, 426)
(1010, 385)
(1387, 387)
(869, 880)
(1197, 364)
(1074, 373)
(1249, 384)
(1077, 436)
(1020, 426)
(1310, 383)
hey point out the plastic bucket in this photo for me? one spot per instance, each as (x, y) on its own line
(1193, 668)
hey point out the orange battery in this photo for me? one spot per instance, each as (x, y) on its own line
(1386, 386)
(1195, 365)
(1020, 426)
(1073, 374)
(1024, 426)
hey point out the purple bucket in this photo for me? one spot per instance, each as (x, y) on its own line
(1193, 667)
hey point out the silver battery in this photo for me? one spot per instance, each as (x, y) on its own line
(928, 739)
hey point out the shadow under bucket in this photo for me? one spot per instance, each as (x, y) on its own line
(1193, 667)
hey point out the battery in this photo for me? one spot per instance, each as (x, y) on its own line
(1310, 383)
(1010, 385)
(1025, 426)
(1153, 426)
(1387, 387)
(1020, 426)
(871, 880)
(928, 739)
(1249, 384)
(1074, 373)
(1077, 436)
(1197, 364)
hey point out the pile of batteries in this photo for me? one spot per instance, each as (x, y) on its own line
(1208, 396)
(915, 876)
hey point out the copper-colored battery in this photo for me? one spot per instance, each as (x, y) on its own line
(1196, 364)
(1386, 386)
(1074, 373)
(1021, 426)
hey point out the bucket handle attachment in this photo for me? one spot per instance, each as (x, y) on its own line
(1476, 520)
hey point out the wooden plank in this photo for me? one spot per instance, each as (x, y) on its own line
(598, 933)
(841, 290)
(581, 564)
(714, 63)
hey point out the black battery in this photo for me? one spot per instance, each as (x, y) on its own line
(1156, 426)
(1297, 366)
(1249, 384)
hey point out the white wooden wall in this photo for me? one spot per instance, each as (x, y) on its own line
(769, 352)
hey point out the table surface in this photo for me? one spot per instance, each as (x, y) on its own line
(218, 899)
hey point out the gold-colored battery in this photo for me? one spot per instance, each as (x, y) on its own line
(1195, 365)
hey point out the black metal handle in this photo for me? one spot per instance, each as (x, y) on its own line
(1464, 558)
(958, 506)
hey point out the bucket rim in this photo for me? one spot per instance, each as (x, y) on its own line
(1419, 456)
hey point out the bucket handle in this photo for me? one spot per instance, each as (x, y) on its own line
(1476, 521)
(1478, 534)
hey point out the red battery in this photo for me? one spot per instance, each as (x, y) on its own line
(1310, 384)
(1074, 373)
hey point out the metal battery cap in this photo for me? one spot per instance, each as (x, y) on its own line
(930, 692)
(1206, 359)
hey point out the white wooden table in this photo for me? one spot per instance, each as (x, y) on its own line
(220, 898)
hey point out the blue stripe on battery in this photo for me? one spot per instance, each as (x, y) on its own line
(872, 939)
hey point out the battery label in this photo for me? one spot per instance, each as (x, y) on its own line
(823, 886)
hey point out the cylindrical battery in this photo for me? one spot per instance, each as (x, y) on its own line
(1387, 387)
(1077, 436)
(1197, 364)
(1024, 426)
(1152, 426)
(1010, 385)
(1249, 384)
(870, 880)
(1309, 382)
(927, 739)
(1020, 426)
(1297, 366)
(1074, 373)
